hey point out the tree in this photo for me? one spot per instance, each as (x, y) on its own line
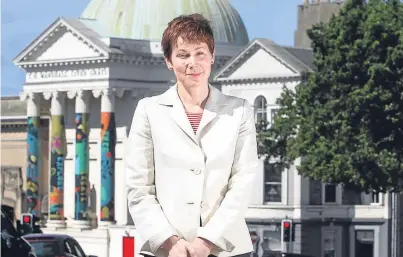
(346, 119)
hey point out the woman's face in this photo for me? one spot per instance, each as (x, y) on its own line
(191, 63)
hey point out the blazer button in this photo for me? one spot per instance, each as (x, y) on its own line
(196, 171)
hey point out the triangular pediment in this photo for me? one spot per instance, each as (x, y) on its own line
(261, 64)
(60, 42)
(262, 59)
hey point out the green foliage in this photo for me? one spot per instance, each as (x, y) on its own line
(346, 119)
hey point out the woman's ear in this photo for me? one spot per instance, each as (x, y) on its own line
(168, 63)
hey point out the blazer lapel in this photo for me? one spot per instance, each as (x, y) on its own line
(214, 102)
(177, 112)
(211, 109)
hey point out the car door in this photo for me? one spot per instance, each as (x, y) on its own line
(77, 248)
(69, 249)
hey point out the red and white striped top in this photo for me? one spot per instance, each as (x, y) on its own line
(194, 119)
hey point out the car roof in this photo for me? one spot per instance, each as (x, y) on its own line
(47, 236)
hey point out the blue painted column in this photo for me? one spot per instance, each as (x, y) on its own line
(82, 187)
(58, 151)
(33, 153)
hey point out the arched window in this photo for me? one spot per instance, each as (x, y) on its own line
(260, 106)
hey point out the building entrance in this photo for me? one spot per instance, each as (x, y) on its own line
(364, 243)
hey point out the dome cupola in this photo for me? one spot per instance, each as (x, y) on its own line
(147, 19)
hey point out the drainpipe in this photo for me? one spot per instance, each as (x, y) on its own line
(395, 236)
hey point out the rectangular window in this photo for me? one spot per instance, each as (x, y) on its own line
(330, 193)
(272, 183)
(372, 198)
(376, 196)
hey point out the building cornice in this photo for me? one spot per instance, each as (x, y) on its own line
(52, 32)
(142, 59)
(259, 80)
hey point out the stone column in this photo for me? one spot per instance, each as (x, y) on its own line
(58, 152)
(33, 152)
(82, 108)
(108, 143)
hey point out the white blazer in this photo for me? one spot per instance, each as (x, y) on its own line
(175, 177)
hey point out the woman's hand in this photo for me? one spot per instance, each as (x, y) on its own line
(170, 242)
(200, 248)
(181, 249)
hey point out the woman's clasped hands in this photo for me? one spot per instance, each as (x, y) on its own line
(181, 248)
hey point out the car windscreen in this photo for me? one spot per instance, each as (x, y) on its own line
(48, 248)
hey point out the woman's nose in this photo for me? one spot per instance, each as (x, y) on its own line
(192, 61)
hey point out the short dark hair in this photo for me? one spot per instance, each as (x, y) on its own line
(193, 28)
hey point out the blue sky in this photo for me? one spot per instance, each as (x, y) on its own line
(23, 20)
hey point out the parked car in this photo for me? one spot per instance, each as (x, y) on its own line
(55, 245)
(12, 242)
(294, 255)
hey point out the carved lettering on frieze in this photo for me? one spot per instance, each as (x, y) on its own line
(66, 75)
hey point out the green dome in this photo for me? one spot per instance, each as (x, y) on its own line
(147, 19)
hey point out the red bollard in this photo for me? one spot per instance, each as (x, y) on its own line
(128, 246)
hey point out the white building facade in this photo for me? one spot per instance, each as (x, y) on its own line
(328, 220)
(91, 72)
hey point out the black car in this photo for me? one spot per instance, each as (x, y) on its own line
(12, 242)
(55, 245)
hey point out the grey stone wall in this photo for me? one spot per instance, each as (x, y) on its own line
(313, 13)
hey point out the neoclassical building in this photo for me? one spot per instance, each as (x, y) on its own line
(83, 78)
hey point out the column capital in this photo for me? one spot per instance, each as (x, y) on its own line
(108, 92)
(77, 94)
(58, 95)
(33, 101)
(24, 96)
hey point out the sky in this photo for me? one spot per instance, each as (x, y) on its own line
(23, 20)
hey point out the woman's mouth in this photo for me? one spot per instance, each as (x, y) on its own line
(195, 75)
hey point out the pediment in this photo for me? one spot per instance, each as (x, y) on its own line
(262, 60)
(261, 64)
(60, 42)
(67, 46)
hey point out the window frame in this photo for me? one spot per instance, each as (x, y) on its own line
(374, 228)
(339, 195)
(283, 183)
(260, 110)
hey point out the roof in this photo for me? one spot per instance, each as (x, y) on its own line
(147, 20)
(299, 59)
(13, 110)
(12, 106)
(53, 236)
(305, 55)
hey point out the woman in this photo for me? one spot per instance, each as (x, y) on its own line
(192, 156)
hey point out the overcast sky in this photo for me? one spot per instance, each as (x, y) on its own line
(23, 20)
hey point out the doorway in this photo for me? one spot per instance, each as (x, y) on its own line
(364, 243)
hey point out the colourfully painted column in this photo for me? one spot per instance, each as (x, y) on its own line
(82, 157)
(108, 142)
(58, 151)
(33, 154)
